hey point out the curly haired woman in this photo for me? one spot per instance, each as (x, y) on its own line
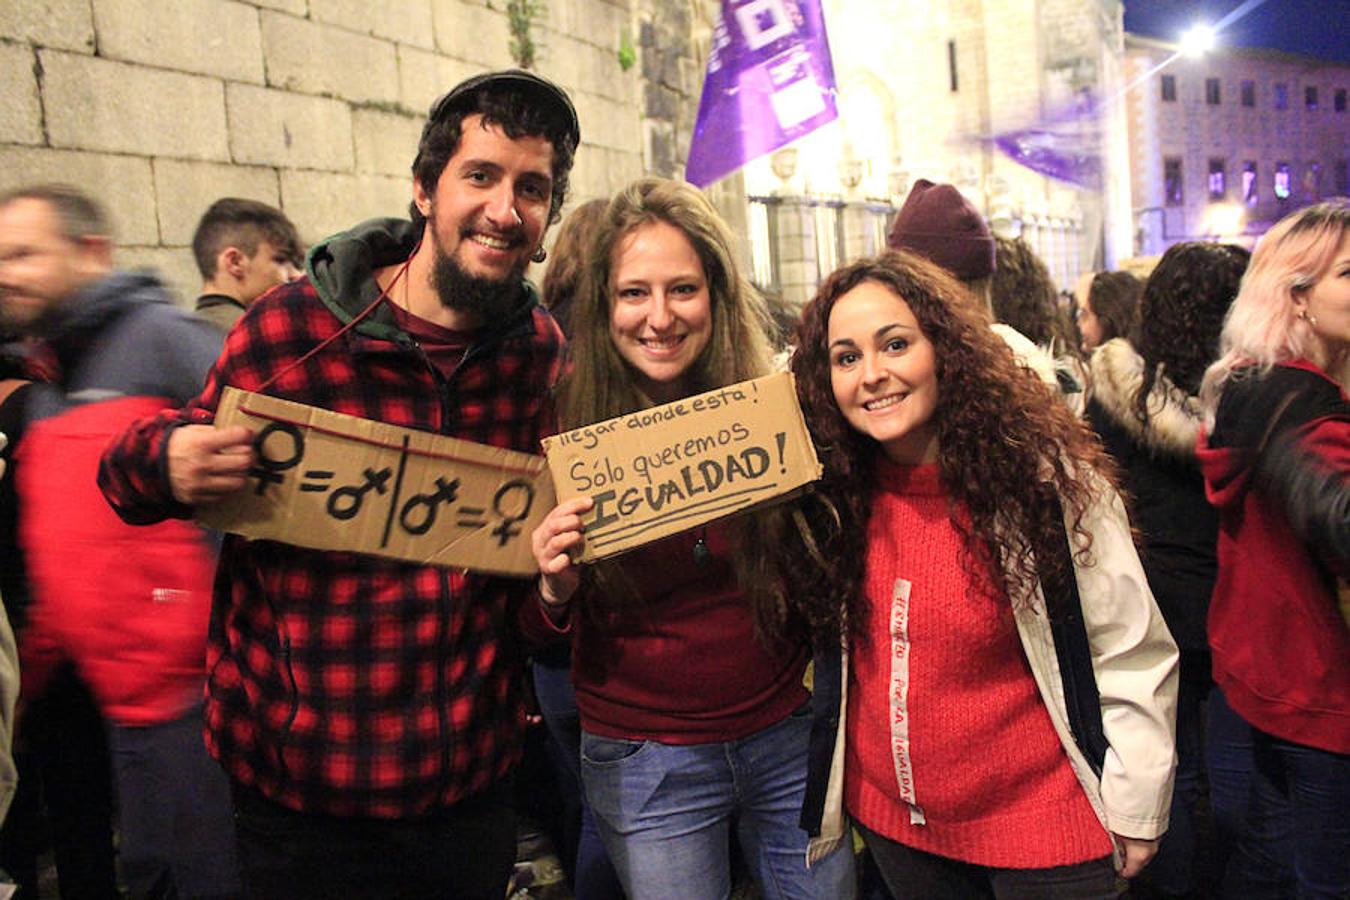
(1146, 408)
(969, 500)
(687, 667)
(1276, 463)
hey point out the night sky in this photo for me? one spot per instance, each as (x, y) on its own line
(1318, 28)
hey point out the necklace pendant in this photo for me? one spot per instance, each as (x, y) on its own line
(701, 552)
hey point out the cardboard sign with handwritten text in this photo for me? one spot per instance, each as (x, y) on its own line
(336, 482)
(674, 467)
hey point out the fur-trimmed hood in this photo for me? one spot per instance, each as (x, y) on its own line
(1175, 417)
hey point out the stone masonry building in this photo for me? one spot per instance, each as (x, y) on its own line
(1224, 145)
(924, 88)
(158, 108)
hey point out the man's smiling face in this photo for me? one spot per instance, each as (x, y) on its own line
(487, 214)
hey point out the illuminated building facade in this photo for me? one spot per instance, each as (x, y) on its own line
(1223, 145)
(924, 87)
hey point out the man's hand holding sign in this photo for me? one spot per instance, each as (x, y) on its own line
(208, 464)
(380, 478)
(277, 470)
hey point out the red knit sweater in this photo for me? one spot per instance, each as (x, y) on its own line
(950, 748)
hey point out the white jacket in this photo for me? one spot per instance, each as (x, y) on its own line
(1135, 662)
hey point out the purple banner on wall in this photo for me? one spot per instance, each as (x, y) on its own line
(1066, 147)
(770, 81)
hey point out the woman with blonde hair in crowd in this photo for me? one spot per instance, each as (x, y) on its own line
(687, 663)
(1275, 462)
(978, 526)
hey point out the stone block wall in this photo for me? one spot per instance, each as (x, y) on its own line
(311, 105)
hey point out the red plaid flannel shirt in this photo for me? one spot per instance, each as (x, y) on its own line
(346, 684)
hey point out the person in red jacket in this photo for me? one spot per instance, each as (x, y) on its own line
(1276, 462)
(126, 609)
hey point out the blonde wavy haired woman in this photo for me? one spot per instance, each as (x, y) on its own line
(687, 663)
(1276, 461)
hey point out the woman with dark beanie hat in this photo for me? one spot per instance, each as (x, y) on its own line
(940, 224)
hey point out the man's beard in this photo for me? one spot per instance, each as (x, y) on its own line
(28, 316)
(487, 298)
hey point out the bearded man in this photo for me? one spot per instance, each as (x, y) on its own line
(367, 710)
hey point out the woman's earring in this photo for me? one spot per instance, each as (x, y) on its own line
(539, 255)
(1307, 317)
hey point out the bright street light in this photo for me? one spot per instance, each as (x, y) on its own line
(1224, 220)
(1197, 41)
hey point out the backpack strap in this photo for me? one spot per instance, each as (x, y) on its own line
(1081, 698)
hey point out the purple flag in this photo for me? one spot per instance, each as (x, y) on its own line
(1065, 147)
(770, 81)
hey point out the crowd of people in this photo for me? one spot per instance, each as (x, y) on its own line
(1066, 614)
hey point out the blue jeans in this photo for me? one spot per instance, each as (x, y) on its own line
(665, 813)
(1316, 784)
(1251, 816)
(1297, 807)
